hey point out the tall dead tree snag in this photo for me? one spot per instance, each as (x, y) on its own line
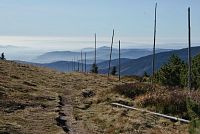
(119, 72)
(95, 51)
(154, 45)
(111, 53)
(189, 52)
(67, 67)
(74, 64)
(94, 65)
(81, 61)
(85, 62)
(78, 64)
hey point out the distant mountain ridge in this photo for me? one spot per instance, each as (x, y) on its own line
(144, 64)
(102, 54)
(128, 66)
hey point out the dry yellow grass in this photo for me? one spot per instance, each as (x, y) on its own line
(30, 102)
(28, 99)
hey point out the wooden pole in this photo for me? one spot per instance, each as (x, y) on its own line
(119, 61)
(78, 64)
(75, 64)
(189, 52)
(81, 61)
(69, 64)
(154, 45)
(72, 65)
(67, 67)
(111, 53)
(95, 51)
(85, 63)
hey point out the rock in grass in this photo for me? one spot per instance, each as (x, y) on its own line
(87, 93)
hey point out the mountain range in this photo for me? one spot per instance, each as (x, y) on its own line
(144, 64)
(102, 54)
(128, 66)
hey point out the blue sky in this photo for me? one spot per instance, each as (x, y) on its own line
(78, 20)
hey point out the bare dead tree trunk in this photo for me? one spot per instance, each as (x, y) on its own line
(69, 64)
(95, 51)
(85, 63)
(154, 45)
(78, 64)
(67, 67)
(119, 61)
(74, 64)
(111, 53)
(189, 52)
(81, 61)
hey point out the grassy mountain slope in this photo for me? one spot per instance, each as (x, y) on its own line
(28, 99)
(39, 100)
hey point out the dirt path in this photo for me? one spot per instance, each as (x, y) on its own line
(66, 118)
(73, 126)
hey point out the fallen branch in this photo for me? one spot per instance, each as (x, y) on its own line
(154, 113)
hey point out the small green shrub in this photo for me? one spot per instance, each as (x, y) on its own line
(169, 101)
(2, 56)
(166, 102)
(194, 127)
(194, 113)
(193, 108)
(114, 70)
(94, 68)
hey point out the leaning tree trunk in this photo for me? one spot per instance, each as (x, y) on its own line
(111, 54)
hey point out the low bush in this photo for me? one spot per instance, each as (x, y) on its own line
(168, 101)
(194, 127)
(194, 113)
(132, 78)
(132, 90)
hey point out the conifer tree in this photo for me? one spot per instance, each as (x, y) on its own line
(94, 68)
(114, 70)
(3, 56)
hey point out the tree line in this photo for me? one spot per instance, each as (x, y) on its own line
(174, 72)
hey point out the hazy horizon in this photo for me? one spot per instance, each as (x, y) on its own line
(70, 25)
(77, 43)
(50, 25)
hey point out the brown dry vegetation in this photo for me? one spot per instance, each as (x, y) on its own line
(32, 98)
(166, 100)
